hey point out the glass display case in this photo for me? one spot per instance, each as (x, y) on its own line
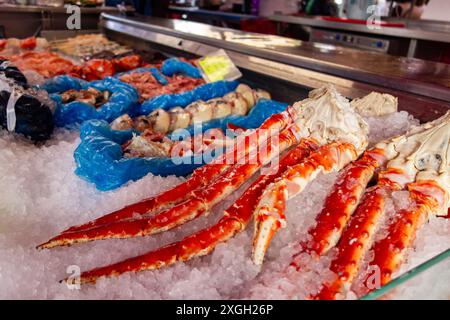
(429, 280)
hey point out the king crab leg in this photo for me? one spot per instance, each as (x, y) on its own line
(325, 119)
(354, 243)
(342, 202)
(419, 164)
(201, 176)
(198, 203)
(358, 236)
(390, 251)
(235, 220)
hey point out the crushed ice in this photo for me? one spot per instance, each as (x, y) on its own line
(41, 195)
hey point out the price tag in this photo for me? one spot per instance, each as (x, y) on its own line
(218, 66)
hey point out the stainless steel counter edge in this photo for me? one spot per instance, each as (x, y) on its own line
(411, 86)
(59, 9)
(197, 10)
(404, 32)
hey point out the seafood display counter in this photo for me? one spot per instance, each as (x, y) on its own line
(356, 205)
(406, 37)
(354, 72)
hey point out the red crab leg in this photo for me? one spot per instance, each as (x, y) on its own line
(199, 203)
(235, 220)
(201, 176)
(269, 215)
(342, 202)
(357, 238)
(354, 242)
(390, 251)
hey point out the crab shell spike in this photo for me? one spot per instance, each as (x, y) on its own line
(327, 116)
(375, 104)
(424, 154)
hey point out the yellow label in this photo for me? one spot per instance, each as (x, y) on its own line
(215, 67)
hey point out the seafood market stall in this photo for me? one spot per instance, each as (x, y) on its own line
(124, 137)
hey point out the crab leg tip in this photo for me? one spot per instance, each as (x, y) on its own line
(266, 227)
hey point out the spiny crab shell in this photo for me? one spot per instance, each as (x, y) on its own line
(422, 154)
(328, 116)
(375, 104)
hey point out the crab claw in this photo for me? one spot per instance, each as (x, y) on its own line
(269, 216)
(268, 220)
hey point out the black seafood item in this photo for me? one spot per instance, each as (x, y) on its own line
(33, 118)
(12, 72)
